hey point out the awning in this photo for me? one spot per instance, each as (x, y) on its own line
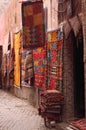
(74, 24)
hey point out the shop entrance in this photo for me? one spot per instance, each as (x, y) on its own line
(79, 97)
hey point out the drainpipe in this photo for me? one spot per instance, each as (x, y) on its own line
(84, 36)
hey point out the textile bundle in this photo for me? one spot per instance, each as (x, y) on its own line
(39, 58)
(26, 67)
(52, 98)
(51, 104)
(54, 56)
(33, 24)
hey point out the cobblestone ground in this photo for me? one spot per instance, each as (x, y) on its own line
(18, 114)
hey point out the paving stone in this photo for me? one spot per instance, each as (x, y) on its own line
(18, 114)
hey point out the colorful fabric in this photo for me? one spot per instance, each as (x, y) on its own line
(51, 102)
(80, 124)
(17, 44)
(52, 97)
(39, 58)
(26, 67)
(59, 59)
(33, 24)
(54, 59)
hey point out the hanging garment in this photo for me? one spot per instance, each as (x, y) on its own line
(54, 59)
(27, 72)
(39, 58)
(17, 44)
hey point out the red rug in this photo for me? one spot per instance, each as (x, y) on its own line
(80, 124)
(33, 24)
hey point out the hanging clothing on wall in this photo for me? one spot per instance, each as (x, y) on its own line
(33, 24)
(59, 59)
(51, 59)
(27, 72)
(54, 59)
(17, 44)
(39, 58)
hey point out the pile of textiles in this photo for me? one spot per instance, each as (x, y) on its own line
(79, 124)
(51, 102)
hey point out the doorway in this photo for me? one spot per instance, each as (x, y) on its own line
(79, 96)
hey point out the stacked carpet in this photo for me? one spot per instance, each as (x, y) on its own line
(51, 104)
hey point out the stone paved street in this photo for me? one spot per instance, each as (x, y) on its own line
(18, 114)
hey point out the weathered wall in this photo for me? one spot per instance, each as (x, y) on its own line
(11, 22)
(68, 9)
(68, 77)
(52, 14)
(77, 8)
(30, 94)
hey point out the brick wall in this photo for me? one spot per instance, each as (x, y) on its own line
(68, 77)
(68, 9)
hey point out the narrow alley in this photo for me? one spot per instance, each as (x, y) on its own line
(42, 65)
(18, 114)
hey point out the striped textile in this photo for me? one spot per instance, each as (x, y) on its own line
(54, 58)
